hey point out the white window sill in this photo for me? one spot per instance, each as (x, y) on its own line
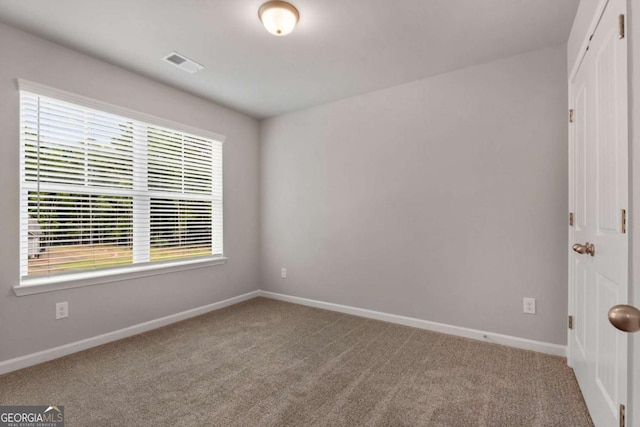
(88, 278)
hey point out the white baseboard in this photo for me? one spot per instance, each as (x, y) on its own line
(63, 350)
(523, 343)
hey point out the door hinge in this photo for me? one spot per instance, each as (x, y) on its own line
(571, 219)
(623, 416)
(571, 115)
(623, 221)
(621, 26)
(570, 322)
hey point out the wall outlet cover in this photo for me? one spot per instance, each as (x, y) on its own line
(62, 310)
(529, 305)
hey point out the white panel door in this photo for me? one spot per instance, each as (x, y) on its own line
(579, 266)
(598, 198)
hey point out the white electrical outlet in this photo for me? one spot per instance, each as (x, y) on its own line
(283, 273)
(62, 310)
(529, 305)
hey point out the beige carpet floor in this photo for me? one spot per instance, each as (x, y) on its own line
(269, 363)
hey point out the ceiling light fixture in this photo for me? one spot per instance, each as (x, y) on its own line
(278, 17)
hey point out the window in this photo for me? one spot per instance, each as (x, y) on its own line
(104, 191)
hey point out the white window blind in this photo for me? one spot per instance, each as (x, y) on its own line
(100, 190)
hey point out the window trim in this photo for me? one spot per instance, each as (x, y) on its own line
(94, 277)
(97, 277)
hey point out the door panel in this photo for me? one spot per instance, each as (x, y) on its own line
(606, 349)
(598, 192)
(581, 309)
(606, 168)
(580, 156)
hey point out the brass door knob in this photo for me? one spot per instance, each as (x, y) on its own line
(625, 317)
(587, 248)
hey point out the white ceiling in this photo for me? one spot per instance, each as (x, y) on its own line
(339, 49)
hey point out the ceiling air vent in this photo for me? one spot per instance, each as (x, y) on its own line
(183, 62)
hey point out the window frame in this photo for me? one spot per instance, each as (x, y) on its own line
(26, 286)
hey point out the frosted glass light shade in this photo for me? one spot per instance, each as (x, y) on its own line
(278, 17)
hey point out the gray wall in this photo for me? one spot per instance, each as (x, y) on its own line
(27, 323)
(444, 199)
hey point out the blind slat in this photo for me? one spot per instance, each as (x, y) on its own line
(100, 190)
